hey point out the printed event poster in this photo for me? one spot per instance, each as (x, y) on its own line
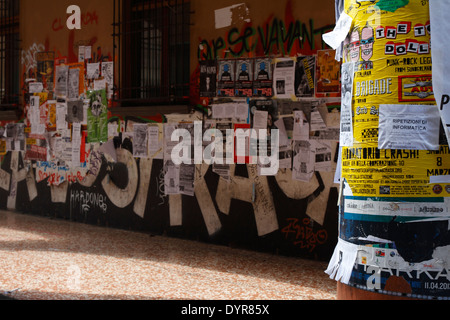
(35, 148)
(226, 78)
(45, 68)
(208, 78)
(2, 147)
(328, 72)
(305, 75)
(392, 68)
(395, 172)
(244, 78)
(284, 78)
(392, 65)
(262, 81)
(97, 117)
(51, 120)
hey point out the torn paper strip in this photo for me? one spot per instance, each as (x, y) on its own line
(342, 262)
(337, 36)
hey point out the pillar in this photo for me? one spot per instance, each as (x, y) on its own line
(394, 239)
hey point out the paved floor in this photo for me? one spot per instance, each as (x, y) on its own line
(48, 259)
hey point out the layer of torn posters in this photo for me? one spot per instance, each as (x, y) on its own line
(394, 219)
(66, 117)
(69, 127)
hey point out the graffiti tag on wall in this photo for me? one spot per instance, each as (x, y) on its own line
(276, 37)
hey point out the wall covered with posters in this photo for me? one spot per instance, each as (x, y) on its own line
(253, 66)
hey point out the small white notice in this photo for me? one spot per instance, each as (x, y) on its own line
(413, 127)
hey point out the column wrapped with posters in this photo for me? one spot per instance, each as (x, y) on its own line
(394, 217)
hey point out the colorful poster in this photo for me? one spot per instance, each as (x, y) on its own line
(97, 117)
(36, 148)
(45, 69)
(305, 75)
(51, 120)
(393, 65)
(244, 78)
(262, 79)
(226, 78)
(394, 217)
(370, 171)
(328, 72)
(2, 147)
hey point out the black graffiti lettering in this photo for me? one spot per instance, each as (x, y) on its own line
(275, 36)
(218, 45)
(208, 51)
(241, 40)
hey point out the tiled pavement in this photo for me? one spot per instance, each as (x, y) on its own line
(48, 259)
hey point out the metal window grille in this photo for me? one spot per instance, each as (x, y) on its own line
(9, 54)
(151, 47)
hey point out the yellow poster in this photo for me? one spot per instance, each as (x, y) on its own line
(2, 147)
(389, 42)
(51, 121)
(395, 172)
